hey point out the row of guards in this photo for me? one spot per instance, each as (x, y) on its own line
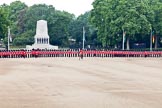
(75, 53)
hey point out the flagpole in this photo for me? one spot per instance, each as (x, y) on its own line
(123, 40)
(8, 38)
(83, 36)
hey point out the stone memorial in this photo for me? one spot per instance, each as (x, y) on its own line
(41, 38)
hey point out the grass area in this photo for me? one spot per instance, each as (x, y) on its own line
(17, 47)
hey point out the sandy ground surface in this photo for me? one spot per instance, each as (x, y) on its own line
(88, 83)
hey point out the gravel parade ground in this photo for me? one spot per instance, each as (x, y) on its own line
(88, 83)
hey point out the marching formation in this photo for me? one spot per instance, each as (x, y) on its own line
(76, 53)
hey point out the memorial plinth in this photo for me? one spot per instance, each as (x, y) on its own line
(41, 38)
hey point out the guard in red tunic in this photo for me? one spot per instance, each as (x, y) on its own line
(24, 54)
(81, 54)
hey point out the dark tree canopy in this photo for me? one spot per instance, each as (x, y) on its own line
(135, 17)
(104, 24)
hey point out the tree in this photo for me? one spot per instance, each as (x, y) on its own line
(24, 21)
(76, 30)
(14, 10)
(156, 6)
(58, 28)
(99, 19)
(4, 23)
(112, 17)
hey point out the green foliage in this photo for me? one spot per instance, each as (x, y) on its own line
(14, 9)
(58, 28)
(104, 24)
(23, 23)
(76, 31)
(4, 22)
(25, 38)
(111, 17)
